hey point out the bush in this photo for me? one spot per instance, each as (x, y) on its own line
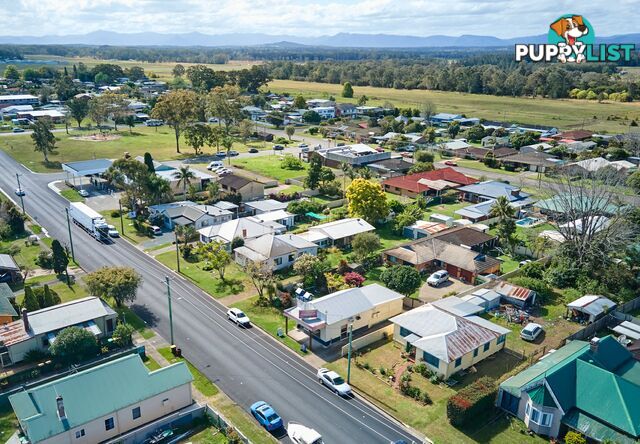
(74, 344)
(533, 270)
(472, 402)
(288, 162)
(115, 213)
(574, 438)
(45, 260)
(304, 207)
(401, 278)
(122, 335)
(35, 355)
(538, 285)
(426, 399)
(354, 279)
(421, 369)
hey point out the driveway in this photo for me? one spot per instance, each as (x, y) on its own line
(430, 294)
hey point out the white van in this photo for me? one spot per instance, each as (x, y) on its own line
(215, 164)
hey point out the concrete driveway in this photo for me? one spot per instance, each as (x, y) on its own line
(429, 294)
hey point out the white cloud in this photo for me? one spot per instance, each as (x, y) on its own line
(502, 18)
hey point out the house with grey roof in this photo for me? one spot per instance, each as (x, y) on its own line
(38, 329)
(187, 213)
(244, 228)
(327, 319)
(7, 311)
(265, 206)
(9, 270)
(492, 189)
(339, 233)
(102, 403)
(448, 338)
(275, 251)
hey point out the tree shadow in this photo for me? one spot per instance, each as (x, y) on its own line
(143, 312)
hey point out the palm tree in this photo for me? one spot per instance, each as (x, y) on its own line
(227, 143)
(184, 176)
(502, 209)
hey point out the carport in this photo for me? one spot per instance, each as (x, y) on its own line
(75, 171)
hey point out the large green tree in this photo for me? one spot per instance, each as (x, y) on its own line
(401, 278)
(60, 259)
(347, 90)
(119, 283)
(177, 108)
(43, 139)
(78, 108)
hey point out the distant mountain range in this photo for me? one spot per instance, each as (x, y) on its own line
(341, 40)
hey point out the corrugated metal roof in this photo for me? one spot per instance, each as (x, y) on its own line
(343, 228)
(592, 304)
(513, 291)
(6, 295)
(7, 263)
(92, 394)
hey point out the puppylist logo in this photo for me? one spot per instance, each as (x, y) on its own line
(572, 40)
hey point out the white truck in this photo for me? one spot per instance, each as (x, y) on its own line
(89, 220)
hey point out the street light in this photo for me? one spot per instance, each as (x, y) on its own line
(20, 193)
(168, 282)
(175, 233)
(349, 354)
(73, 256)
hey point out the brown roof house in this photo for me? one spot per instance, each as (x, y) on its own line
(247, 188)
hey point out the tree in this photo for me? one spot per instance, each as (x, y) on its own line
(476, 133)
(122, 334)
(142, 188)
(353, 279)
(184, 176)
(73, 345)
(99, 109)
(148, 161)
(216, 255)
(505, 213)
(186, 233)
(11, 72)
(427, 111)
(177, 109)
(574, 438)
(347, 90)
(367, 200)
(363, 100)
(78, 108)
(119, 283)
(245, 128)
(227, 143)
(43, 139)
(213, 190)
(60, 260)
(312, 181)
(409, 216)
(30, 302)
(364, 244)
(196, 136)
(401, 278)
(312, 268)
(290, 130)
(225, 103)
(421, 167)
(335, 282)
(311, 117)
(130, 121)
(453, 129)
(65, 88)
(261, 276)
(633, 181)
(299, 102)
(178, 70)
(49, 297)
(423, 156)
(519, 140)
(430, 134)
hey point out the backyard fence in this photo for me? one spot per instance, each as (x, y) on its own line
(221, 423)
(357, 344)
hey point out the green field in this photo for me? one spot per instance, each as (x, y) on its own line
(270, 166)
(561, 113)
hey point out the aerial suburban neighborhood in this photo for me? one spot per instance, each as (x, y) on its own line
(364, 237)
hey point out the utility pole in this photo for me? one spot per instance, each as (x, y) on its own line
(177, 249)
(170, 311)
(349, 355)
(20, 193)
(73, 256)
(121, 220)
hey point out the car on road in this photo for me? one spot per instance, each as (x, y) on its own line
(438, 278)
(303, 145)
(278, 147)
(266, 416)
(334, 381)
(112, 232)
(238, 317)
(20, 192)
(531, 331)
(452, 163)
(221, 155)
(253, 150)
(301, 434)
(82, 192)
(157, 231)
(18, 130)
(215, 164)
(233, 153)
(154, 122)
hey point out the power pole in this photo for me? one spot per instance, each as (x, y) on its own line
(349, 354)
(73, 256)
(20, 193)
(121, 220)
(177, 249)
(167, 280)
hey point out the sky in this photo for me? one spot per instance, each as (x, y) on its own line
(500, 18)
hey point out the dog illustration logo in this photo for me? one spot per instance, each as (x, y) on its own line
(571, 33)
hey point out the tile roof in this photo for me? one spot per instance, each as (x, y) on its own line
(92, 394)
(468, 236)
(234, 181)
(412, 182)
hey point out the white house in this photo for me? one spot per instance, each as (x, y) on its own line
(102, 402)
(326, 112)
(448, 342)
(339, 233)
(265, 206)
(187, 213)
(280, 216)
(275, 251)
(244, 228)
(327, 318)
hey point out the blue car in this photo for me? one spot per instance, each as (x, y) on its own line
(266, 416)
(221, 155)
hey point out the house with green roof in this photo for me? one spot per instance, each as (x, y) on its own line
(7, 312)
(591, 387)
(102, 402)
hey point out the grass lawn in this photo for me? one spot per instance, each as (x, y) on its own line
(26, 255)
(477, 165)
(8, 424)
(209, 435)
(134, 320)
(235, 280)
(269, 319)
(448, 209)
(71, 195)
(508, 263)
(559, 113)
(151, 363)
(129, 231)
(389, 239)
(269, 166)
(200, 381)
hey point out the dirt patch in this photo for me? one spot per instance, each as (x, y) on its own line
(97, 137)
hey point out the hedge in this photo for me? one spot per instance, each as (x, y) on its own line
(472, 402)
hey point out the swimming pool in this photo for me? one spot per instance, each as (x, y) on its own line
(528, 222)
(316, 216)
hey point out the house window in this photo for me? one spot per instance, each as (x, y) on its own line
(458, 362)
(292, 257)
(475, 352)
(535, 416)
(135, 412)
(486, 346)
(278, 261)
(79, 433)
(404, 332)
(108, 424)
(527, 409)
(430, 359)
(501, 339)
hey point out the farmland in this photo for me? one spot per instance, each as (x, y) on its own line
(561, 113)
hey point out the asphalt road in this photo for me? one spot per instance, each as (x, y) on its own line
(247, 365)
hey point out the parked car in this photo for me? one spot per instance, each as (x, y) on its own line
(253, 150)
(154, 122)
(82, 192)
(238, 317)
(156, 230)
(438, 278)
(20, 192)
(278, 147)
(224, 172)
(266, 416)
(215, 164)
(18, 130)
(301, 434)
(334, 381)
(221, 155)
(452, 163)
(233, 153)
(531, 331)
(112, 232)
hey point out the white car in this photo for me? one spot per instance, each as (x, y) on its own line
(238, 317)
(20, 192)
(156, 230)
(215, 164)
(112, 232)
(301, 434)
(334, 381)
(531, 331)
(438, 278)
(84, 193)
(224, 172)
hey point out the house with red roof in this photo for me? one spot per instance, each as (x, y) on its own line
(428, 183)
